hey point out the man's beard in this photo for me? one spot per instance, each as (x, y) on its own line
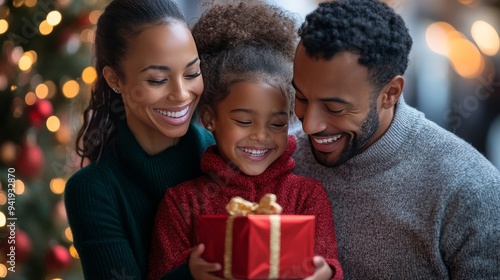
(354, 147)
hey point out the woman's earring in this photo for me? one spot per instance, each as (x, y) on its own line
(209, 127)
(115, 90)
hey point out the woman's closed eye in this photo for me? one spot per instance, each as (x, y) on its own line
(194, 75)
(157, 82)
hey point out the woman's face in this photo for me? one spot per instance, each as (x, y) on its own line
(162, 84)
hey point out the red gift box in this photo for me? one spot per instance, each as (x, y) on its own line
(259, 246)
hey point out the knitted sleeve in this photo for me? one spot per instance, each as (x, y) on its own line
(325, 244)
(90, 205)
(470, 241)
(171, 242)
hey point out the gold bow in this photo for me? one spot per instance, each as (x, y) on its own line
(267, 206)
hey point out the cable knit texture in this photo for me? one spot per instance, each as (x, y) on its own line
(111, 205)
(420, 203)
(175, 231)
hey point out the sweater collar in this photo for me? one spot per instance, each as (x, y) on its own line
(219, 169)
(154, 170)
(390, 148)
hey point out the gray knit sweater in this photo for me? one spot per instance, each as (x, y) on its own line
(420, 203)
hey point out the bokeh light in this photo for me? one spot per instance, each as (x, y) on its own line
(70, 88)
(53, 124)
(486, 37)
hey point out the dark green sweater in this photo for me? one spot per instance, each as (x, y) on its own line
(111, 205)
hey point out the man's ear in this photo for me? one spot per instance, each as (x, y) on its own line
(207, 117)
(111, 78)
(392, 91)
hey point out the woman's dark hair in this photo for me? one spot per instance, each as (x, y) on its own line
(244, 41)
(121, 21)
(369, 28)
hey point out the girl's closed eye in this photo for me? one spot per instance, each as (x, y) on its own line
(243, 122)
(279, 125)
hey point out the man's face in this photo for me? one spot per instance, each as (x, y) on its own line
(337, 106)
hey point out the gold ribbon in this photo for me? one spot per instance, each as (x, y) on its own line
(267, 205)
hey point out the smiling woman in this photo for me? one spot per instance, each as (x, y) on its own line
(137, 134)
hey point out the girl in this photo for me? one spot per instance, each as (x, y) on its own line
(137, 134)
(246, 50)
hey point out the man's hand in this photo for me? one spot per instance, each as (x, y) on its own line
(201, 269)
(322, 271)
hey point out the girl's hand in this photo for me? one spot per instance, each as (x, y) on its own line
(322, 271)
(201, 269)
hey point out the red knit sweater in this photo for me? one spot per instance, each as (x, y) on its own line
(175, 229)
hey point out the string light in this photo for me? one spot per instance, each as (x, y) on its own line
(30, 98)
(42, 91)
(57, 185)
(4, 26)
(70, 88)
(45, 28)
(486, 37)
(53, 124)
(54, 18)
(89, 75)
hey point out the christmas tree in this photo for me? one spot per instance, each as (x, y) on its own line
(46, 75)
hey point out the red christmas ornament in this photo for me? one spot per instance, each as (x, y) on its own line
(16, 246)
(30, 161)
(23, 246)
(39, 112)
(57, 259)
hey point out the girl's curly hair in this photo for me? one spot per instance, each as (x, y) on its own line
(244, 41)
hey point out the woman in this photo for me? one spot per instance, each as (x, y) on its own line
(137, 134)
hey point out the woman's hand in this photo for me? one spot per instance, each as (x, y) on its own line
(201, 269)
(322, 271)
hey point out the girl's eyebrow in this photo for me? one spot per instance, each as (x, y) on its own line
(166, 68)
(248, 111)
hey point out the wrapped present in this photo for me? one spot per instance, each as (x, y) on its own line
(259, 246)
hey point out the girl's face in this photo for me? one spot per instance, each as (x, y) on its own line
(162, 84)
(251, 126)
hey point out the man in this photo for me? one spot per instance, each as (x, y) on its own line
(410, 199)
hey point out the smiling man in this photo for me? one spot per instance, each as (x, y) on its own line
(410, 199)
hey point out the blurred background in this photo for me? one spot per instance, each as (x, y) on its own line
(46, 75)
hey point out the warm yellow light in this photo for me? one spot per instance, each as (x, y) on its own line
(3, 219)
(57, 185)
(89, 75)
(68, 234)
(437, 35)
(30, 98)
(486, 37)
(30, 3)
(32, 55)
(3, 271)
(54, 18)
(4, 26)
(71, 88)
(42, 91)
(51, 88)
(63, 135)
(25, 63)
(87, 35)
(73, 252)
(45, 28)
(19, 187)
(94, 16)
(53, 124)
(17, 3)
(465, 58)
(3, 198)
